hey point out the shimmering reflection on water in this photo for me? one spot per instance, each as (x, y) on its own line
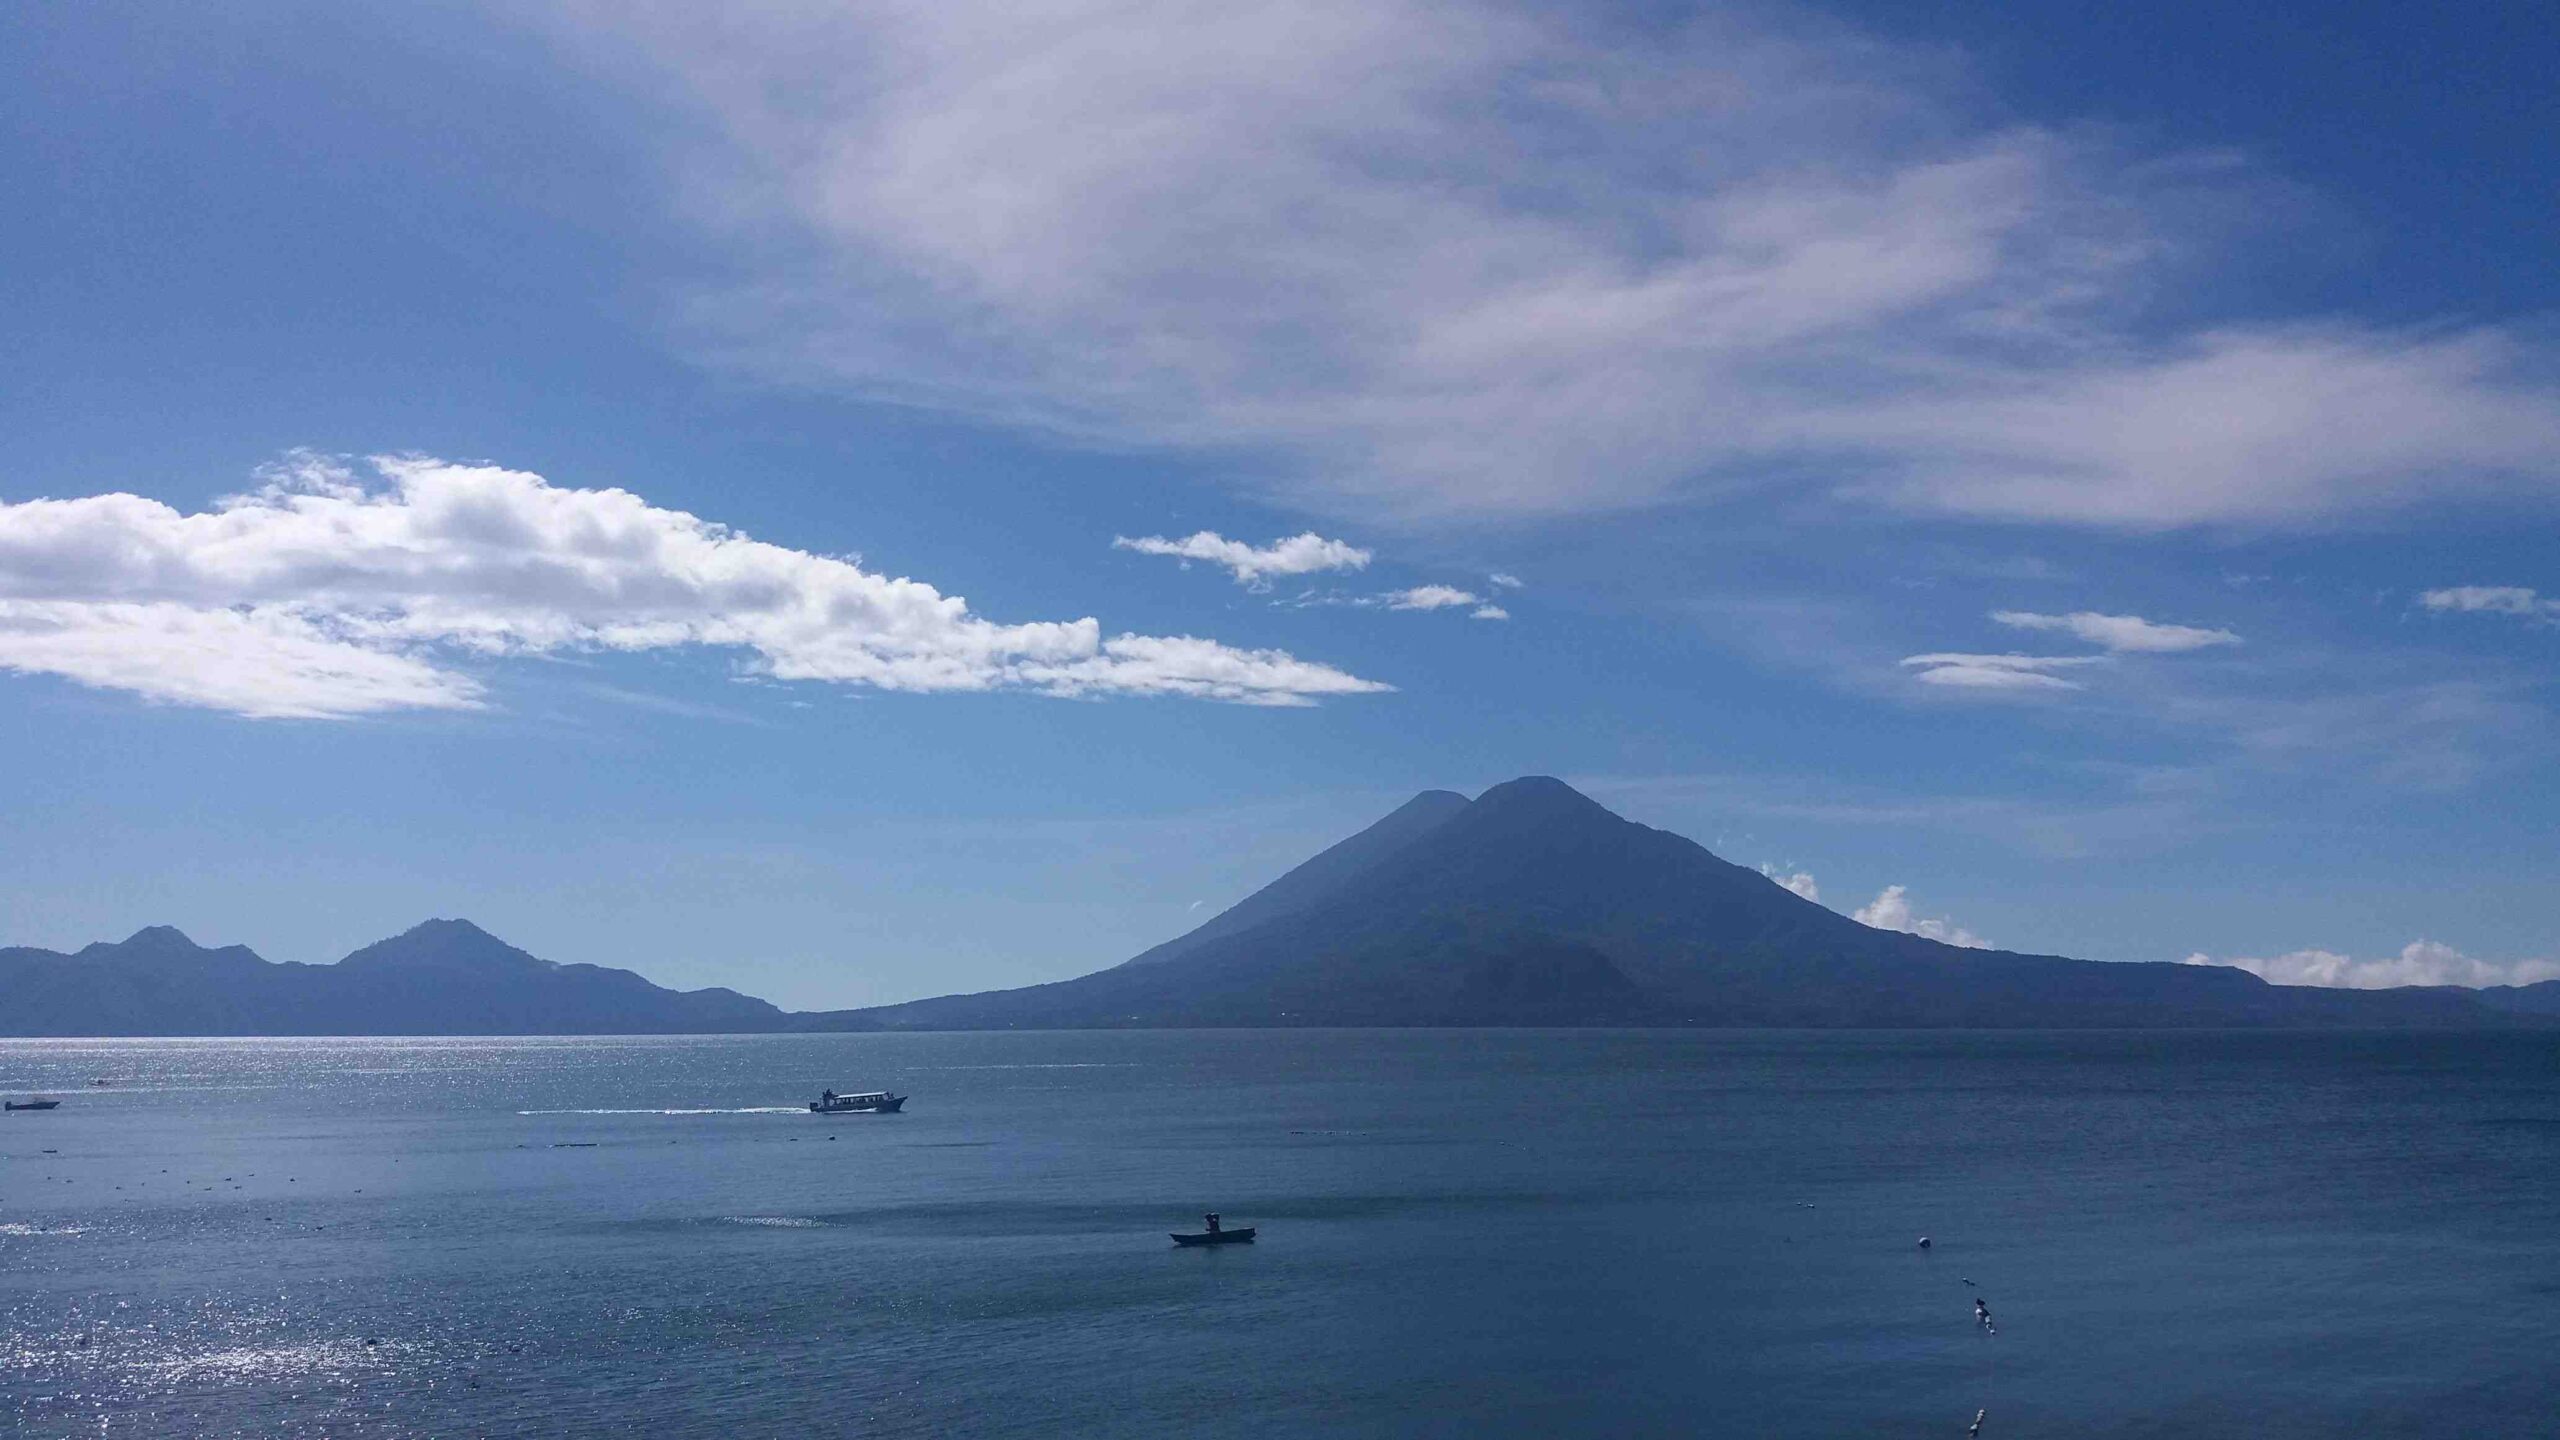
(1479, 1234)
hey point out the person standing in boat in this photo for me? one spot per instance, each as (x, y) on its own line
(1212, 1219)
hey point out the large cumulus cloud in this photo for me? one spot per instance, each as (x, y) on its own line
(335, 590)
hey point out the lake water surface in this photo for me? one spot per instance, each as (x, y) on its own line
(1481, 1233)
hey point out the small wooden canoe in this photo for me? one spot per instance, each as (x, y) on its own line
(31, 1104)
(1215, 1237)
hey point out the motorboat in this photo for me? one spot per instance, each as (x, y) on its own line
(33, 1102)
(870, 1102)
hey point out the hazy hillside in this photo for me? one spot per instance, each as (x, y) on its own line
(445, 977)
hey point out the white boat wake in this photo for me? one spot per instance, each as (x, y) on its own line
(732, 1110)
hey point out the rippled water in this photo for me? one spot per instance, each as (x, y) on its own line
(1463, 1233)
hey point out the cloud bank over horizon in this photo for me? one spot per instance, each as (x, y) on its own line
(1799, 883)
(2420, 962)
(1419, 261)
(1891, 910)
(336, 591)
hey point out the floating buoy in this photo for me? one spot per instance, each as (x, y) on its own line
(1924, 1242)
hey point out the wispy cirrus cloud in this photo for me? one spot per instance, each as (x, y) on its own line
(2243, 426)
(1254, 566)
(336, 591)
(2119, 632)
(2026, 674)
(2420, 962)
(1488, 258)
(1415, 598)
(2140, 819)
(2516, 600)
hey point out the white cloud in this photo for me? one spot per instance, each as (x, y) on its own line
(333, 592)
(2493, 600)
(2243, 426)
(1430, 597)
(1419, 598)
(2421, 962)
(2119, 632)
(266, 662)
(1304, 554)
(2017, 673)
(1503, 581)
(1493, 258)
(2025, 675)
(1799, 883)
(1891, 910)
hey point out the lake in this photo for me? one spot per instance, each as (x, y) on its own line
(1463, 1233)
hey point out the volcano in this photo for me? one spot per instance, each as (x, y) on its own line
(1533, 904)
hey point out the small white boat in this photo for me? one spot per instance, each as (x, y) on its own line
(870, 1102)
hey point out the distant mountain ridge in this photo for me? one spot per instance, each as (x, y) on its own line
(1531, 904)
(445, 977)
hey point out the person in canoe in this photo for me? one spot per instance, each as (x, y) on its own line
(1211, 1219)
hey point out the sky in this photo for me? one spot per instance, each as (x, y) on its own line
(870, 501)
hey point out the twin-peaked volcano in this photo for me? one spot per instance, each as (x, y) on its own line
(1533, 904)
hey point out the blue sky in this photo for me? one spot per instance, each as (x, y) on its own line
(2095, 473)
